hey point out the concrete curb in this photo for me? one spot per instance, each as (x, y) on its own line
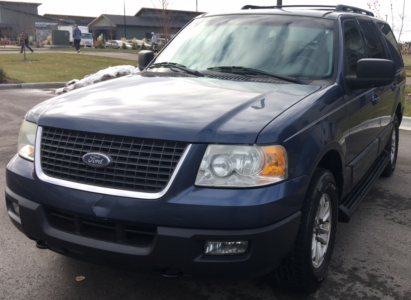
(406, 123)
(44, 85)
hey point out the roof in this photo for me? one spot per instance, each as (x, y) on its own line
(67, 16)
(31, 3)
(143, 9)
(135, 21)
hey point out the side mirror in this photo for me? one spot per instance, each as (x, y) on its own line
(371, 73)
(144, 58)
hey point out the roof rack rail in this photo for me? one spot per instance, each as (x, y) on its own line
(353, 9)
(339, 7)
(282, 6)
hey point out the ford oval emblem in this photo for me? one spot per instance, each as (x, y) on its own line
(97, 160)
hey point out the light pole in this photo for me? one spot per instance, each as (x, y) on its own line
(125, 25)
(196, 5)
(279, 2)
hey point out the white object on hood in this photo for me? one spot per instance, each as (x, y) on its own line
(102, 75)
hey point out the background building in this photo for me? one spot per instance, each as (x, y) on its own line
(79, 20)
(140, 26)
(18, 16)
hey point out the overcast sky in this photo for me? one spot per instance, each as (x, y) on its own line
(95, 8)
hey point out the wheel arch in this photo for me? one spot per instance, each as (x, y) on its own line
(332, 161)
(399, 112)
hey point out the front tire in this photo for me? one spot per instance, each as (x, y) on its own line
(307, 265)
(392, 149)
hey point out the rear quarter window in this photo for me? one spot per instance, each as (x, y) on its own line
(392, 45)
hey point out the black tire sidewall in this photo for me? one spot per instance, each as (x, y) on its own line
(323, 183)
(390, 168)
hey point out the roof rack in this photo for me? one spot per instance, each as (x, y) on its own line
(353, 9)
(340, 8)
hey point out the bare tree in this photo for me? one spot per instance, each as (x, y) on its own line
(111, 31)
(164, 16)
(25, 23)
(402, 17)
(392, 16)
(374, 5)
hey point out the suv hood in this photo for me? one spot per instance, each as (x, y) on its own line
(184, 109)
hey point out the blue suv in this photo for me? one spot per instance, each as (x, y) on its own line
(233, 153)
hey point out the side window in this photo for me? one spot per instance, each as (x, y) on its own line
(392, 45)
(354, 48)
(374, 47)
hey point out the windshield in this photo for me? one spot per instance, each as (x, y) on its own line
(291, 46)
(86, 36)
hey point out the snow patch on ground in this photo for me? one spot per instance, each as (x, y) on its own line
(102, 75)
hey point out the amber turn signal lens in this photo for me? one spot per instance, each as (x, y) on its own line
(275, 162)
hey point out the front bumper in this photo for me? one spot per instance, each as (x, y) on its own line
(175, 250)
(183, 223)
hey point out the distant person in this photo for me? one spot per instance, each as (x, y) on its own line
(77, 37)
(154, 41)
(24, 39)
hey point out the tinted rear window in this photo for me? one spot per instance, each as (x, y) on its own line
(392, 45)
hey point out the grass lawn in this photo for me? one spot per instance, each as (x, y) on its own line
(407, 63)
(407, 111)
(407, 59)
(55, 67)
(93, 50)
(72, 49)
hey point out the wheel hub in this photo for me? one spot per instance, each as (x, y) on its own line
(393, 145)
(321, 231)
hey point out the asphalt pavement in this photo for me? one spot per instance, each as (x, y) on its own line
(372, 257)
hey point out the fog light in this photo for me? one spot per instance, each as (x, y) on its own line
(16, 208)
(225, 248)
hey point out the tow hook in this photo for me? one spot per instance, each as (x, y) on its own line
(42, 245)
(171, 273)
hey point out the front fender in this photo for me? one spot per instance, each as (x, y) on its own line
(310, 129)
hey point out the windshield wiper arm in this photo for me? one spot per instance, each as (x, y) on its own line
(236, 69)
(172, 65)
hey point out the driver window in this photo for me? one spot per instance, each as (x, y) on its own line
(354, 48)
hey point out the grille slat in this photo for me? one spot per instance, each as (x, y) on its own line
(139, 165)
(105, 230)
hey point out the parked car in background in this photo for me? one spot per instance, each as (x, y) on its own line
(219, 159)
(112, 44)
(140, 42)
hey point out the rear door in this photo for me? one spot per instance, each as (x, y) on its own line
(364, 122)
(384, 96)
(395, 55)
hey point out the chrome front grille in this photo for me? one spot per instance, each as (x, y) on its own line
(139, 165)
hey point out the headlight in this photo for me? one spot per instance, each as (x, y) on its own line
(242, 166)
(27, 138)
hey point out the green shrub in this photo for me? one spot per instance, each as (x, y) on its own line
(143, 47)
(100, 43)
(2, 75)
(134, 44)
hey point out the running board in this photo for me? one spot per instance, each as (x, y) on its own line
(352, 200)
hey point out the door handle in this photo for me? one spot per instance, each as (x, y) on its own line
(393, 86)
(375, 99)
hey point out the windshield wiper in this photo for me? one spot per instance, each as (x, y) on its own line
(172, 65)
(244, 70)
